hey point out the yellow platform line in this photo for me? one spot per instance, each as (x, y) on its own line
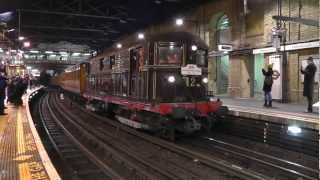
(21, 150)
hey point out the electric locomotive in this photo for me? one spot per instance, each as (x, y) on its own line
(159, 84)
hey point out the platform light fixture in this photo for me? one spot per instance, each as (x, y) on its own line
(171, 79)
(86, 54)
(21, 38)
(1, 50)
(194, 48)
(48, 52)
(140, 36)
(76, 54)
(179, 21)
(10, 30)
(26, 44)
(34, 51)
(119, 45)
(28, 67)
(294, 129)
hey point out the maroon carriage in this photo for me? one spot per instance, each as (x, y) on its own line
(159, 84)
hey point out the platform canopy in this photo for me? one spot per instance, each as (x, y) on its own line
(96, 23)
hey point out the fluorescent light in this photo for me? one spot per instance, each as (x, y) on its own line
(63, 52)
(1, 50)
(14, 51)
(140, 36)
(294, 129)
(28, 67)
(86, 54)
(53, 55)
(75, 54)
(179, 22)
(10, 30)
(21, 38)
(119, 46)
(35, 52)
(48, 52)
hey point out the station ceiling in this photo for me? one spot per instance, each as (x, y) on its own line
(96, 23)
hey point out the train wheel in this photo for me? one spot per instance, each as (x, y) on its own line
(208, 124)
(167, 133)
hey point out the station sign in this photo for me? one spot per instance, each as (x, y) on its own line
(191, 69)
(224, 47)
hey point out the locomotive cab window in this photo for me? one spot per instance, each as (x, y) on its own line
(198, 57)
(170, 54)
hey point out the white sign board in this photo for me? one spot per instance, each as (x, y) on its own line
(304, 64)
(276, 92)
(191, 69)
(224, 48)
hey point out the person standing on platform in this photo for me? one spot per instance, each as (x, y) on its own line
(270, 75)
(3, 85)
(308, 84)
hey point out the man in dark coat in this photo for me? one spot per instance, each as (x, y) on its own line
(3, 85)
(308, 83)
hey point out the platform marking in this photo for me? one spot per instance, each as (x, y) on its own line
(21, 150)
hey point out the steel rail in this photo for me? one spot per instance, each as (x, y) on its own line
(229, 168)
(110, 172)
(87, 133)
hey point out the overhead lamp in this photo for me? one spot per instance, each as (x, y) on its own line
(28, 67)
(48, 52)
(34, 51)
(21, 38)
(1, 50)
(171, 79)
(179, 21)
(86, 54)
(140, 36)
(26, 44)
(119, 46)
(194, 48)
(10, 30)
(75, 54)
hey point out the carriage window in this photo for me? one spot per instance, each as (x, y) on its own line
(199, 58)
(101, 66)
(112, 61)
(170, 54)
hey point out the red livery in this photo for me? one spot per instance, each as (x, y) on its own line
(159, 84)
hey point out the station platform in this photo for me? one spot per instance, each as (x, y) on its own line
(22, 155)
(288, 114)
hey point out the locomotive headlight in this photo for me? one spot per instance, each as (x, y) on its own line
(171, 79)
(194, 48)
(205, 80)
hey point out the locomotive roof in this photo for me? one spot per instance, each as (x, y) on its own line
(184, 37)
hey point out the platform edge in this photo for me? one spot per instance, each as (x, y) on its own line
(49, 167)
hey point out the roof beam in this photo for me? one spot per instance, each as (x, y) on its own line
(64, 28)
(72, 14)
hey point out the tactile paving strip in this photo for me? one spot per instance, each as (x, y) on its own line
(19, 156)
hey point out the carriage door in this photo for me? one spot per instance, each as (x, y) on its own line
(134, 88)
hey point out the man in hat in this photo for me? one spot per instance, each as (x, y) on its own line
(308, 84)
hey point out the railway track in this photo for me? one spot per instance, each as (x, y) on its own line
(135, 155)
(78, 162)
(274, 167)
(149, 157)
